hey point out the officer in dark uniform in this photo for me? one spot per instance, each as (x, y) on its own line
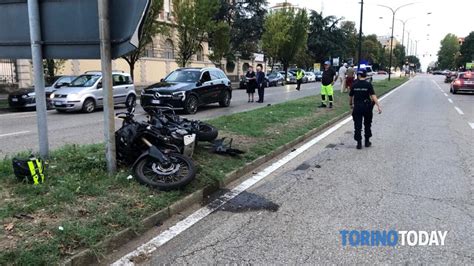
(362, 99)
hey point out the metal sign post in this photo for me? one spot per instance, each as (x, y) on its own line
(37, 56)
(106, 62)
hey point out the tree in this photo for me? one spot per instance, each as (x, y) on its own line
(467, 50)
(52, 67)
(399, 55)
(411, 59)
(220, 43)
(371, 49)
(325, 39)
(276, 32)
(349, 39)
(151, 27)
(297, 36)
(193, 24)
(247, 26)
(449, 52)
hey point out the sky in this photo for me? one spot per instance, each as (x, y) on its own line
(453, 16)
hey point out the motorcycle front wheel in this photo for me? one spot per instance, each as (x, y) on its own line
(173, 175)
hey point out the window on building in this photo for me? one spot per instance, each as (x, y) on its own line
(169, 49)
(149, 50)
(200, 54)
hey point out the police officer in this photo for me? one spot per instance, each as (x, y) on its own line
(299, 78)
(362, 99)
(327, 82)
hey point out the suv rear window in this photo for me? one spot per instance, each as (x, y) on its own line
(466, 76)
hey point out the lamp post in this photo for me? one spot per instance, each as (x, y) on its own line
(394, 11)
(403, 30)
(360, 34)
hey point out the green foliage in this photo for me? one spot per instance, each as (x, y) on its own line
(151, 27)
(52, 67)
(325, 39)
(220, 42)
(286, 34)
(449, 52)
(193, 24)
(467, 50)
(371, 48)
(398, 56)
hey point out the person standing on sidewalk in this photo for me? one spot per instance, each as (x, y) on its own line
(299, 78)
(362, 99)
(327, 82)
(342, 76)
(350, 75)
(251, 83)
(260, 84)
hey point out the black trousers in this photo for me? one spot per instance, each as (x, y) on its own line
(261, 92)
(362, 113)
(298, 83)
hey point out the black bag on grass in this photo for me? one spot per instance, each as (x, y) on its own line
(31, 170)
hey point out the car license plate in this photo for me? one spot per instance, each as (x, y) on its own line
(468, 82)
(57, 103)
(14, 100)
(155, 101)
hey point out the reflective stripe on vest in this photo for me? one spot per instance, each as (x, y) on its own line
(36, 172)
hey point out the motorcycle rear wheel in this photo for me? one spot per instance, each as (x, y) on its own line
(178, 173)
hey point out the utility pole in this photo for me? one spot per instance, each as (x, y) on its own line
(106, 63)
(38, 72)
(360, 34)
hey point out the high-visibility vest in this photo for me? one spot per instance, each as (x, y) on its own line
(36, 171)
(299, 74)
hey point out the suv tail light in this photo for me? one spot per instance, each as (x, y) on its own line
(458, 82)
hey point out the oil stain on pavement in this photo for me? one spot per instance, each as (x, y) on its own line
(246, 202)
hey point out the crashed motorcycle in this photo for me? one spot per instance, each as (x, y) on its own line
(165, 117)
(157, 162)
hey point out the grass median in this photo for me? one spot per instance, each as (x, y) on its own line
(79, 205)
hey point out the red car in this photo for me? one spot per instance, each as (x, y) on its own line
(464, 82)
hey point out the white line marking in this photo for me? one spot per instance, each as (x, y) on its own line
(471, 124)
(445, 94)
(14, 133)
(437, 85)
(451, 101)
(459, 110)
(200, 214)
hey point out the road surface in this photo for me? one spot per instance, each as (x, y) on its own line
(417, 176)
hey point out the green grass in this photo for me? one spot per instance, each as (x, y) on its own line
(79, 196)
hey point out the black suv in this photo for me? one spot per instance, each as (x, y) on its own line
(188, 88)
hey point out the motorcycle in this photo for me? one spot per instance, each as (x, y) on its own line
(165, 117)
(450, 77)
(155, 160)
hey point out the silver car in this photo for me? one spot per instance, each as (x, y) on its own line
(85, 92)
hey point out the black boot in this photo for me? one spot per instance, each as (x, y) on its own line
(330, 105)
(368, 143)
(359, 144)
(322, 105)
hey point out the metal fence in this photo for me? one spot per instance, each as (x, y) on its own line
(8, 74)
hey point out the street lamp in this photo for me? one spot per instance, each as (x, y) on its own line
(403, 31)
(360, 34)
(394, 11)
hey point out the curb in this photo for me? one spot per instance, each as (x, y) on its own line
(89, 257)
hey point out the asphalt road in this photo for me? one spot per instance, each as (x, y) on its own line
(417, 176)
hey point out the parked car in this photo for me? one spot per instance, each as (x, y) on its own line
(463, 83)
(310, 76)
(437, 72)
(25, 98)
(319, 75)
(275, 79)
(382, 72)
(370, 72)
(85, 92)
(189, 88)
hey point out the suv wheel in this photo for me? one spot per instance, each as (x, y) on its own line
(191, 104)
(88, 106)
(131, 100)
(225, 102)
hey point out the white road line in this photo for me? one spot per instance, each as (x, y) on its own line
(459, 110)
(200, 214)
(14, 133)
(471, 124)
(437, 85)
(451, 101)
(445, 94)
